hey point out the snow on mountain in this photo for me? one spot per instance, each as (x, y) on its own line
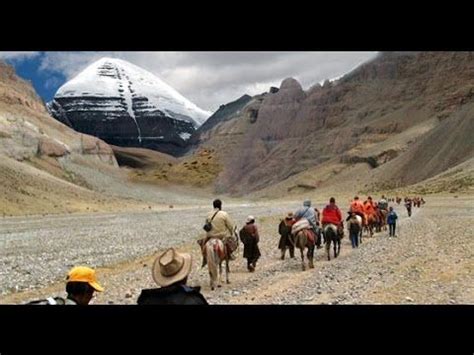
(110, 77)
(126, 105)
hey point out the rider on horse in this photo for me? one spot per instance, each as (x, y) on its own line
(309, 213)
(332, 215)
(222, 227)
(358, 208)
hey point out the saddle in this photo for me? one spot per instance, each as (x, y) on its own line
(310, 235)
(220, 251)
(301, 224)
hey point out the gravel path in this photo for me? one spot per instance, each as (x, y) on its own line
(37, 251)
(430, 262)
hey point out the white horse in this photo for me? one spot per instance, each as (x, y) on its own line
(216, 253)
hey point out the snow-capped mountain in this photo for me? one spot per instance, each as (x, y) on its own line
(126, 105)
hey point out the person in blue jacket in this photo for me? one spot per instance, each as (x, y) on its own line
(392, 221)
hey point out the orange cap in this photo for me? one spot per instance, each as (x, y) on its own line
(84, 274)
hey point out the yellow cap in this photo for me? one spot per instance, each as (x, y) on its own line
(84, 274)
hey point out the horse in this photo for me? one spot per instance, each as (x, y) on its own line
(370, 223)
(303, 239)
(216, 253)
(333, 234)
(382, 220)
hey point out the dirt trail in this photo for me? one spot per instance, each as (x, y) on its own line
(430, 262)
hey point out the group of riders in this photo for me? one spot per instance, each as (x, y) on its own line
(172, 268)
(368, 215)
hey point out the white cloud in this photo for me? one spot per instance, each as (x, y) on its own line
(18, 55)
(210, 79)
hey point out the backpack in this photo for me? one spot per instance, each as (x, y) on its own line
(50, 301)
(208, 225)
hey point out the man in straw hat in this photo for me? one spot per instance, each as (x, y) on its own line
(170, 271)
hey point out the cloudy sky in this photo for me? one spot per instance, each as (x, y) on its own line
(209, 79)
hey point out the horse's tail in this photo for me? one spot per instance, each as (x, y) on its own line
(301, 240)
(212, 258)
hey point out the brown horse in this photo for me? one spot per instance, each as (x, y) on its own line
(303, 239)
(382, 214)
(370, 224)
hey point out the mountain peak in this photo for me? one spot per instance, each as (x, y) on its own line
(113, 77)
(126, 105)
(290, 83)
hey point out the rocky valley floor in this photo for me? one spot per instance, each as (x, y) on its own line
(429, 262)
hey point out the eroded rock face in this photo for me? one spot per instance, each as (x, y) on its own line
(374, 116)
(127, 106)
(27, 130)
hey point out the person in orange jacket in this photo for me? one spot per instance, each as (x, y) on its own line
(358, 208)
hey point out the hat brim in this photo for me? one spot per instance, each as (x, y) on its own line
(164, 281)
(96, 286)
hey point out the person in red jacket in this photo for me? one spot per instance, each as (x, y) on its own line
(332, 213)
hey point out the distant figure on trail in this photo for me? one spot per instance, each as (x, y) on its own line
(80, 287)
(310, 214)
(222, 227)
(408, 205)
(392, 221)
(383, 203)
(170, 271)
(249, 236)
(284, 229)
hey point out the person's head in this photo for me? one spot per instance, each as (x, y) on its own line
(171, 267)
(332, 200)
(390, 208)
(217, 204)
(356, 198)
(369, 198)
(81, 284)
(307, 203)
(289, 216)
(250, 220)
(383, 196)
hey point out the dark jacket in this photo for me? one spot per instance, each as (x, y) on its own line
(250, 238)
(284, 230)
(173, 294)
(392, 217)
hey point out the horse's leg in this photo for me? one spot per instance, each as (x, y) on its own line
(302, 258)
(211, 264)
(338, 247)
(219, 281)
(227, 270)
(311, 256)
(328, 247)
(335, 246)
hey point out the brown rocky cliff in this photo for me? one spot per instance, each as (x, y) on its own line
(372, 115)
(27, 130)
